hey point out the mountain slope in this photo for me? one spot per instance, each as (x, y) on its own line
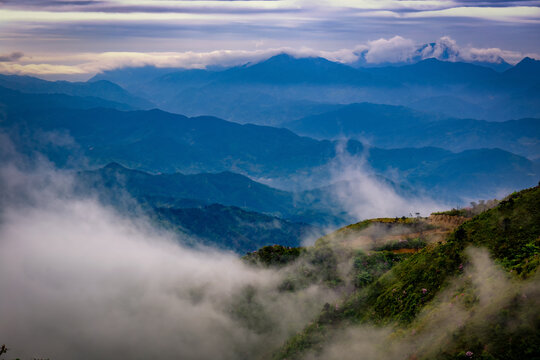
(525, 74)
(231, 228)
(412, 296)
(285, 69)
(205, 209)
(19, 100)
(225, 188)
(359, 119)
(157, 141)
(450, 106)
(257, 93)
(386, 126)
(434, 72)
(101, 89)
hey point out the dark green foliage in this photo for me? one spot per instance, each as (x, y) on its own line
(275, 255)
(362, 279)
(512, 333)
(317, 265)
(367, 268)
(398, 295)
(511, 231)
(247, 310)
(416, 243)
(453, 212)
(325, 260)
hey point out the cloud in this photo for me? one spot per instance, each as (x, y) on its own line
(80, 281)
(393, 50)
(514, 14)
(96, 26)
(14, 56)
(447, 48)
(396, 49)
(363, 195)
(88, 63)
(401, 50)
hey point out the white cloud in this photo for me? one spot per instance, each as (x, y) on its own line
(80, 281)
(396, 49)
(364, 195)
(516, 14)
(392, 50)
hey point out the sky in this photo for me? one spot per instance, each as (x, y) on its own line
(82, 37)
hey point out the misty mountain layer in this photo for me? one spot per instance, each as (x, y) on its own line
(284, 88)
(157, 141)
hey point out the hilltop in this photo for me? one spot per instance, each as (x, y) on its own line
(398, 276)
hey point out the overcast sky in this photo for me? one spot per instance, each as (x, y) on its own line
(87, 36)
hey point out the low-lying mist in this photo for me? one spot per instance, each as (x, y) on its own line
(81, 281)
(484, 306)
(364, 195)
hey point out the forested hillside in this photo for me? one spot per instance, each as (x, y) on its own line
(409, 277)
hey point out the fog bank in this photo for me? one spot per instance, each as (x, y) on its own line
(80, 281)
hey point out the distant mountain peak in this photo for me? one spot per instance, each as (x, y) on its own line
(285, 58)
(282, 56)
(527, 61)
(527, 70)
(444, 50)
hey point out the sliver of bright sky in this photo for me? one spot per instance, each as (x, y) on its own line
(81, 37)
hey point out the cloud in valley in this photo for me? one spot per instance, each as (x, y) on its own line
(364, 195)
(81, 281)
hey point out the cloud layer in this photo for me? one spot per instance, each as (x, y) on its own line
(80, 281)
(396, 49)
(179, 31)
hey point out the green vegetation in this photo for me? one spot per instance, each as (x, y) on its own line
(475, 209)
(318, 264)
(416, 243)
(453, 212)
(413, 224)
(511, 231)
(367, 268)
(275, 255)
(387, 295)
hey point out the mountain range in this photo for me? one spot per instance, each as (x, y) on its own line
(387, 125)
(284, 88)
(222, 210)
(442, 50)
(102, 89)
(157, 141)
